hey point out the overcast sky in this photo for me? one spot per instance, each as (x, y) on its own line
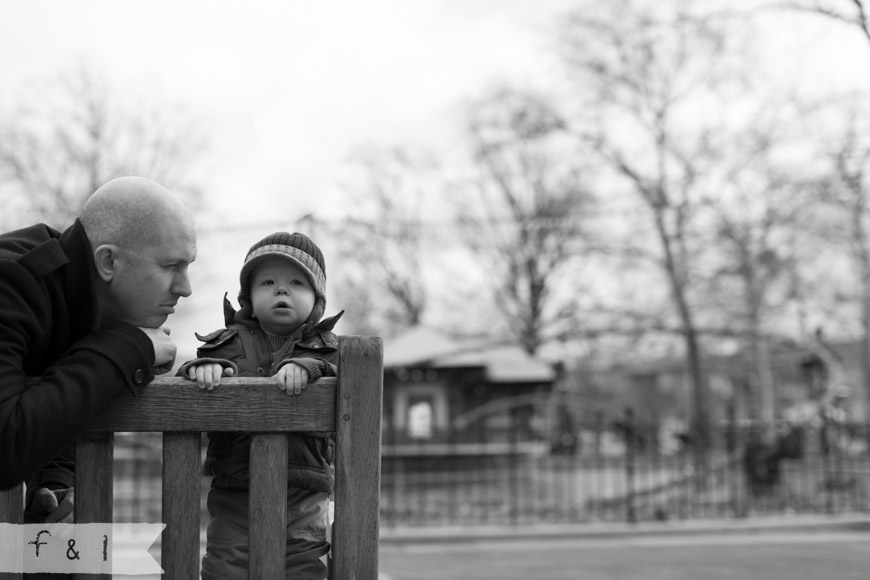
(289, 88)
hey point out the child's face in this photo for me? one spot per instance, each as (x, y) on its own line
(281, 296)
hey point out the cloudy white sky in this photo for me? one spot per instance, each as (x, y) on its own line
(288, 88)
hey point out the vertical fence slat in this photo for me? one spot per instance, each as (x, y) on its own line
(12, 505)
(358, 473)
(267, 511)
(93, 484)
(12, 512)
(181, 501)
(630, 448)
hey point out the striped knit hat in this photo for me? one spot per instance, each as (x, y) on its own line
(298, 248)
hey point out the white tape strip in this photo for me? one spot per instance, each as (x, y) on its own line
(79, 548)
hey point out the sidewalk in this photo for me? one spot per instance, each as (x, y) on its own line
(395, 539)
(802, 524)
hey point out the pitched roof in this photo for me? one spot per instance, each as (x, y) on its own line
(502, 363)
(417, 345)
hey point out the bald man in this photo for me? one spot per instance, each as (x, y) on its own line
(83, 312)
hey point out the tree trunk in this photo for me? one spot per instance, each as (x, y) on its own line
(700, 401)
(759, 349)
(861, 253)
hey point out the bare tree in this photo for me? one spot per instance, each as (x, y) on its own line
(756, 216)
(77, 133)
(383, 239)
(851, 12)
(522, 214)
(848, 189)
(652, 75)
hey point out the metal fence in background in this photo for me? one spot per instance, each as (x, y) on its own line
(617, 472)
(138, 466)
(621, 471)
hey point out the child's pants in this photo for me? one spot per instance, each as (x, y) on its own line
(226, 551)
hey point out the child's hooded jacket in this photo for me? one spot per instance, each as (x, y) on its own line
(243, 346)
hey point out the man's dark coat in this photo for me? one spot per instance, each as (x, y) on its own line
(50, 329)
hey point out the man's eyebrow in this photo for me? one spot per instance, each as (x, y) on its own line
(181, 256)
(178, 259)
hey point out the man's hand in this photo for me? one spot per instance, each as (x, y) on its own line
(164, 348)
(57, 505)
(208, 376)
(292, 379)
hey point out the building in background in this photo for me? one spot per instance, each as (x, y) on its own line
(450, 397)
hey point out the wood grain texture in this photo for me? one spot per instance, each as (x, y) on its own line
(12, 512)
(93, 484)
(12, 505)
(358, 458)
(238, 404)
(350, 406)
(267, 514)
(181, 505)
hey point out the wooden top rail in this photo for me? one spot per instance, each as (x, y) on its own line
(238, 404)
(349, 405)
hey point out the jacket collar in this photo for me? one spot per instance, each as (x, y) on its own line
(79, 279)
(242, 317)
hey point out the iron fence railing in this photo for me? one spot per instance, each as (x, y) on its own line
(623, 471)
(611, 471)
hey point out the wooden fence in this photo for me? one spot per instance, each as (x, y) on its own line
(349, 405)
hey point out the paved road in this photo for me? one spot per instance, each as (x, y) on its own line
(751, 556)
(812, 548)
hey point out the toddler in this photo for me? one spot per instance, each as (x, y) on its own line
(278, 332)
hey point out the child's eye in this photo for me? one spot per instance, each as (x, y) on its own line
(267, 282)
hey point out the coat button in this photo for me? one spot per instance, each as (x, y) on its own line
(139, 376)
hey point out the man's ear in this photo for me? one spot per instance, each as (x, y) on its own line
(105, 259)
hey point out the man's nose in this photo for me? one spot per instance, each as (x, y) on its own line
(181, 286)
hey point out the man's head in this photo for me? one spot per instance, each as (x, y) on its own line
(143, 241)
(283, 282)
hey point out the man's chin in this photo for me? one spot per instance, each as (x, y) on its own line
(155, 321)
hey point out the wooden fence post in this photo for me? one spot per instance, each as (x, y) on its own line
(267, 512)
(12, 512)
(93, 484)
(358, 445)
(182, 475)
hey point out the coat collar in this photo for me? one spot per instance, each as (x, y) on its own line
(242, 317)
(79, 279)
